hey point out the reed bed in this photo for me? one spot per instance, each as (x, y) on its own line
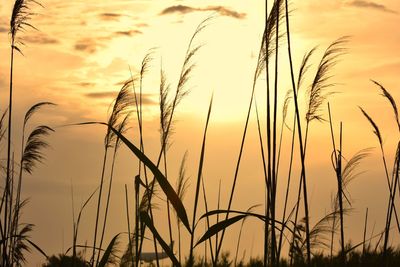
(303, 239)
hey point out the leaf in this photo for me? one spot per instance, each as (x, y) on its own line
(162, 181)
(146, 219)
(213, 230)
(108, 253)
(37, 248)
(246, 213)
(35, 108)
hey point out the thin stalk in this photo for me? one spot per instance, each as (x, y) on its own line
(274, 260)
(391, 200)
(185, 71)
(6, 188)
(390, 192)
(19, 186)
(336, 160)
(140, 124)
(168, 206)
(340, 194)
(268, 196)
(128, 223)
(297, 206)
(238, 243)
(207, 218)
(216, 236)
(365, 231)
(143, 70)
(240, 152)
(98, 204)
(137, 191)
(288, 185)
(267, 190)
(199, 177)
(10, 218)
(303, 169)
(73, 221)
(108, 198)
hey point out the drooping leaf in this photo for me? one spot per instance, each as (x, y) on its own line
(108, 254)
(216, 228)
(146, 219)
(37, 248)
(160, 178)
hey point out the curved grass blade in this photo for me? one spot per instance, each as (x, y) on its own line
(222, 225)
(146, 219)
(213, 230)
(109, 251)
(37, 248)
(252, 214)
(162, 181)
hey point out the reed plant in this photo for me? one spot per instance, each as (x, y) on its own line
(153, 178)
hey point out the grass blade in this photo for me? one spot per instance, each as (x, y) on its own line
(108, 254)
(162, 181)
(146, 219)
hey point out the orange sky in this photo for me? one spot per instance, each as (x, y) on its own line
(84, 49)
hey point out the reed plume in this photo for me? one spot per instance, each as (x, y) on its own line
(389, 97)
(321, 81)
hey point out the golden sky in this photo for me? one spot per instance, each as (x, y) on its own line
(83, 50)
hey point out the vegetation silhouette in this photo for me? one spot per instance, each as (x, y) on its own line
(307, 243)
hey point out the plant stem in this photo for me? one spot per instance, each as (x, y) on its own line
(99, 202)
(303, 168)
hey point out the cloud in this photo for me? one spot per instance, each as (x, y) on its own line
(86, 84)
(147, 99)
(3, 29)
(128, 33)
(101, 95)
(219, 9)
(178, 9)
(370, 4)
(110, 16)
(40, 39)
(88, 45)
(142, 25)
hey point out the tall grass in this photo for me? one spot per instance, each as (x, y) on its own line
(304, 239)
(393, 181)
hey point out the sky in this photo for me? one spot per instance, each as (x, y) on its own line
(83, 50)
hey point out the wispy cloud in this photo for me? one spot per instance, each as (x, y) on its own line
(86, 84)
(147, 99)
(128, 33)
(224, 11)
(110, 16)
(142, 25)
(88, 45)
(40, 39)
(370, 4)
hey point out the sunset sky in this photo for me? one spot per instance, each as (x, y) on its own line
(83, 50)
